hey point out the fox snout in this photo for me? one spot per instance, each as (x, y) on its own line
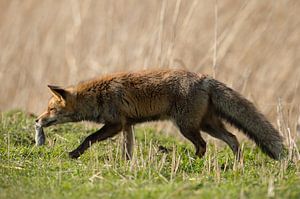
(40, 117)
(45, 119)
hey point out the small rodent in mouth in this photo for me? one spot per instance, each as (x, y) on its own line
(39, 135)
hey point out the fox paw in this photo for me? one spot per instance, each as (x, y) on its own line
(74, 154)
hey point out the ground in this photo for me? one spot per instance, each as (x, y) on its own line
(162, 167)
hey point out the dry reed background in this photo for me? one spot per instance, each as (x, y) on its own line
(253, 46)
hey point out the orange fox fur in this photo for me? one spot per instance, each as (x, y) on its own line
(192, 101)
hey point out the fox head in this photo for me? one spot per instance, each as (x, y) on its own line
(61, 108)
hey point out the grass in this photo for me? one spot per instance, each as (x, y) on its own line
(27, 171)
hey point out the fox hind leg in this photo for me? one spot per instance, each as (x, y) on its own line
(195, 137)
(218, 130)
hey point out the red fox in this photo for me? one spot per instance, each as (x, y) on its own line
(193, 102)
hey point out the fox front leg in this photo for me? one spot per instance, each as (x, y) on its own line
(107, 131)
(128, 141)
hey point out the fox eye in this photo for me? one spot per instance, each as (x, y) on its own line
(52, 109)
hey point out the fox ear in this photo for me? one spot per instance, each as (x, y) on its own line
(58, 92)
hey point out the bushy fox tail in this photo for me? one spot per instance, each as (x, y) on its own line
(242, 114)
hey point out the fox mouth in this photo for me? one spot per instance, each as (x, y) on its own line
(49, 123)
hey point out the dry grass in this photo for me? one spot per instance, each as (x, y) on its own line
(253, 46)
